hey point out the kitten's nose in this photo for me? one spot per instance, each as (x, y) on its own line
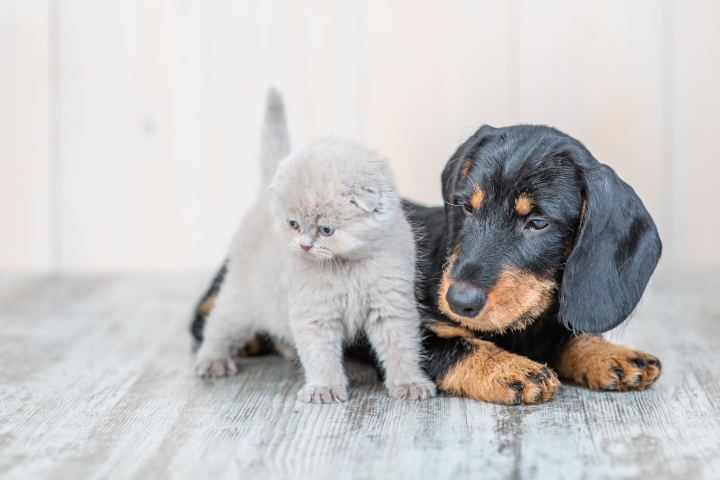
(465, 300)
(306, 247)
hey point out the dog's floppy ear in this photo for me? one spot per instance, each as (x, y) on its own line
(451, 173)
(615, 253)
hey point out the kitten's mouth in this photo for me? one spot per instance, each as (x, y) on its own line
(315, 254)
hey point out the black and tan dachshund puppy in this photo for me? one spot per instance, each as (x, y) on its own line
(538, 247)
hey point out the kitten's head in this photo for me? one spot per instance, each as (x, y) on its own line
(334, 199)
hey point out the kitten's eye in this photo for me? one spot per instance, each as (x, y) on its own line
(293, 224)
(327, 231)
(537, 224)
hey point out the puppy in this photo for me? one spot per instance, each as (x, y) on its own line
(538, 246)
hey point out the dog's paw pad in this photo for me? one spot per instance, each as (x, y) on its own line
(322, 394)
(419, 390)
(606, 367)
(491, 374)
(623, 372)
(529, 383)
(215, 368)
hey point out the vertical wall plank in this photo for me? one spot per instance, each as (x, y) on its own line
(433, 72)
(306, 49)
(129, 135)
(24, 136)
(596, 71)
(697, 130)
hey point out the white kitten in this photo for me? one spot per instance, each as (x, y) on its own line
(324, 253)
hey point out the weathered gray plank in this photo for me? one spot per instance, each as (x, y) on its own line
(96, 382)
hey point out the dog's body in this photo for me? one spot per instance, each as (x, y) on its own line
(537, 246)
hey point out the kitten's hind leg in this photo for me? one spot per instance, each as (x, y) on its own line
(222, 331)
(397, 344)
(319, 346)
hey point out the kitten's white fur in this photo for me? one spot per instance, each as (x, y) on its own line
(309, 291)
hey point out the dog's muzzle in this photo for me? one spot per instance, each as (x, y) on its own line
(464, 300)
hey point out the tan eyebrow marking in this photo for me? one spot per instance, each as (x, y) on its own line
(465, 170)
(477, 197)
(523, 204)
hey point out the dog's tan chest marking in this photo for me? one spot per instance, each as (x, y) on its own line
(447, 330)
(523, 205)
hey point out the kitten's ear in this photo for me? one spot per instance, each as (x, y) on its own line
(366, 198)
(279, 175)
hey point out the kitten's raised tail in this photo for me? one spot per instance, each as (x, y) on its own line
(275, 142)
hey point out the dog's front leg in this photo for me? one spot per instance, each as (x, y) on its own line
(470, 367)
(603, 366)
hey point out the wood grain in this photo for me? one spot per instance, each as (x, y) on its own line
(96, 382)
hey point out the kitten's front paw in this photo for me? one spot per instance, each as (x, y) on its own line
(419, 390)
(218, 367)
(325, 394)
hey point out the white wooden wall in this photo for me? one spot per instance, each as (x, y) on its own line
(129, 128)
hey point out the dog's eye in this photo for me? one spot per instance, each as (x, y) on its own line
(293, 224)
(327, 231)
(468, 208)
(537, 224)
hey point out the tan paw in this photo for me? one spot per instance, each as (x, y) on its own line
(419, 390)
(494, 375)
(603, 366)
(215, 368)
(322, 394)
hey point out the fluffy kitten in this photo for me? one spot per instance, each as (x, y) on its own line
(324, 253)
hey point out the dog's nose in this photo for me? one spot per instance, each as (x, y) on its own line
(306, 247)
(464, 300)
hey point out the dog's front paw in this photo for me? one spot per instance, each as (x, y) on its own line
(322, 394)
(211, 368)
(417, 390)
(520, 381)
(602, 366)
(491, 374)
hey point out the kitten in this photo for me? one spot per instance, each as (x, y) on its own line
(324, 253)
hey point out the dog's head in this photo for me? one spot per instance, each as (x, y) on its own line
(532, 219)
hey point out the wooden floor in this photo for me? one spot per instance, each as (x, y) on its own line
(96, 382)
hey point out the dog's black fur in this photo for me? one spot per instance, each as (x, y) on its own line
(587, 234)
(612, 254)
